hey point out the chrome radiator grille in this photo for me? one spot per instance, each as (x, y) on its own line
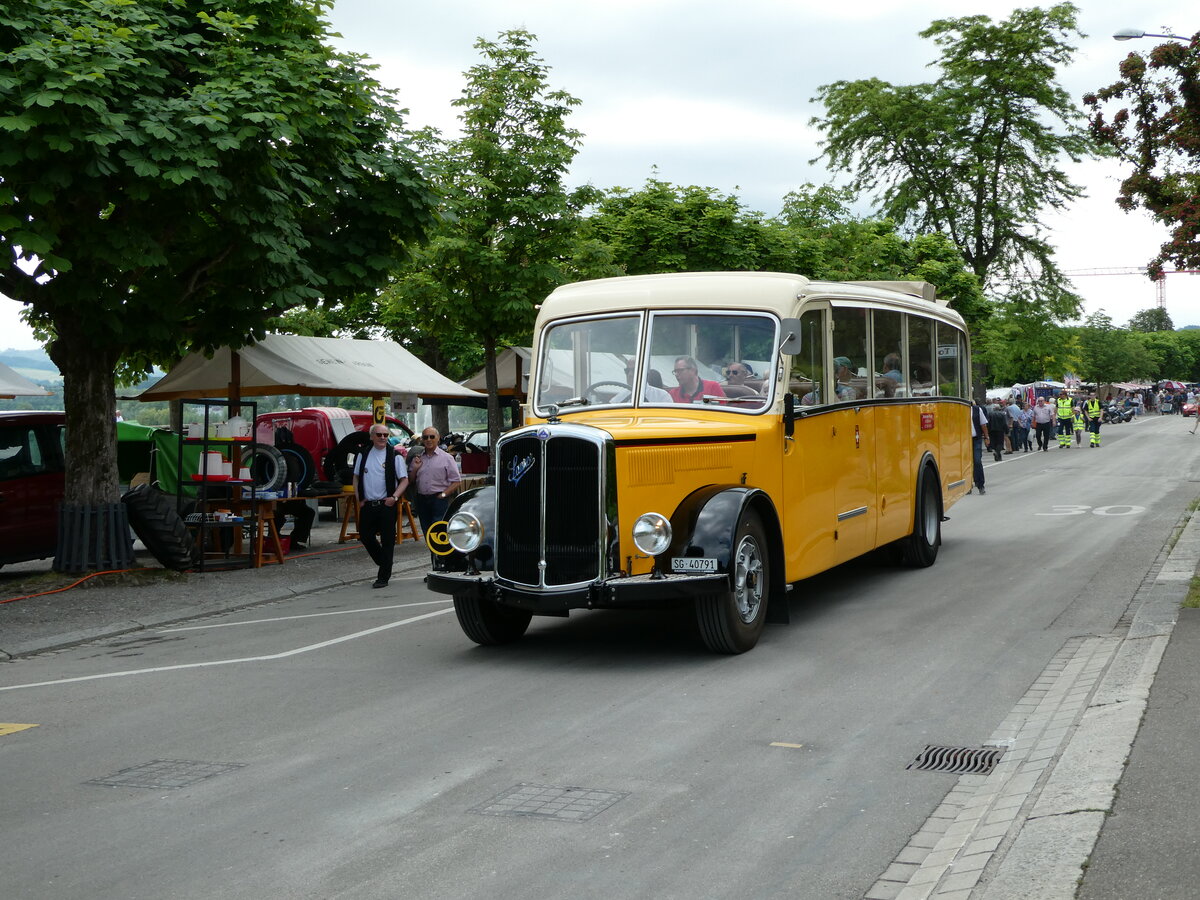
(549, 530)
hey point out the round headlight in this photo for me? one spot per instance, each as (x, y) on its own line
(652, 533)
(464, 531)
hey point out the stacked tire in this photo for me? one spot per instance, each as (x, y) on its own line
(155, 520)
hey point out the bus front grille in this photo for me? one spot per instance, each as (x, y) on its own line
(548, 511)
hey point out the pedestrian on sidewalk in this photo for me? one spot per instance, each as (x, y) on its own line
(979, 431)
(1024, 424)
(1015, 441)
(380, 478)
(997, 427)
(1064, 409)
(435, 479)
(1043, 422)
(1092, 410)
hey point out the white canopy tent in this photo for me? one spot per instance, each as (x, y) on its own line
(512, 373)
(14, 385)
(309, 366)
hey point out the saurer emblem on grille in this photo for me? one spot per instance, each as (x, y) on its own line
(518, 467)
(543, 434)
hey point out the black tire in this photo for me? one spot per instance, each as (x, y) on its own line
(920, 549)
(155, 520)
(300, 468)
(487, 622)
(339, 462)
(267, 466)
(732, 621)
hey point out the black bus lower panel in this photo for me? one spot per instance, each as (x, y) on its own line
(634, 592)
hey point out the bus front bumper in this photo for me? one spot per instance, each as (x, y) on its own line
(633, 592)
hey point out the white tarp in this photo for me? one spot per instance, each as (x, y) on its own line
(15, 385)
(508, 363)
(310, 366)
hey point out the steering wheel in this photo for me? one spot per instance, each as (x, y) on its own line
(591, 387)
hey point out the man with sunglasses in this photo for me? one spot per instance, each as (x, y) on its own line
(436, 477)
(380, 478)
(738, 372)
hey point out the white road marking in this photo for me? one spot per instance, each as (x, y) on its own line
(230, 662)
(340, 612)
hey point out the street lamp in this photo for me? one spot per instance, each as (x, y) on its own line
(1131, 34)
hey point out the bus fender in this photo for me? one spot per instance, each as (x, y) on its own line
(480, 502)
(705, 525)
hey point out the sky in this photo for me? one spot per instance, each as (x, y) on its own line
(719, 95)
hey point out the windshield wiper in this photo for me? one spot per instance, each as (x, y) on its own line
(574, 401)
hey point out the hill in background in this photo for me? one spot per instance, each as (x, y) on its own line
(32, 364)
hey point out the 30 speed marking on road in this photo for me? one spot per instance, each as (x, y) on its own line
(1115, 510)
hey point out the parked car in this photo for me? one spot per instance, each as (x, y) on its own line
(31, 483)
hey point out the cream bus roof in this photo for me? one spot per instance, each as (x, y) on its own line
(763, 291)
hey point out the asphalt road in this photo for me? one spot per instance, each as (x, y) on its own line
(348, 744)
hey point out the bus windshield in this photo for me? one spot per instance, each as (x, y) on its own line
(719, 359)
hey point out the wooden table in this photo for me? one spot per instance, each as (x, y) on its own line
(350, 521)
(266, 534)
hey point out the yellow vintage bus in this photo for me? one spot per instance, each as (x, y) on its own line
(712, 439)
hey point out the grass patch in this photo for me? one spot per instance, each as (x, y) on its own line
(1192, 601)
(24, 584)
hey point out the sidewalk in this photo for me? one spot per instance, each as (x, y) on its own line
(1053, 813)
(1150, 843)
(147, 600)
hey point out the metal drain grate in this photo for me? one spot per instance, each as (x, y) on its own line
(166, 774)
(957, 760)
(539, 801)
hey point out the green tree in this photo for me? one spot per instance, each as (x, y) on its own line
(1021, 343)
(1154, 319)
(663, 227)
(510, 236)
(1109, 354)
(174, 174)
(669, 228)
(1155, 129)
(1173, 355)
(977, 153)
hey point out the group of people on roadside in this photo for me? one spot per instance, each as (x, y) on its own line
(382, 475)
(1004, 426)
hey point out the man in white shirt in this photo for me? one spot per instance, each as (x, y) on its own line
(380, 478)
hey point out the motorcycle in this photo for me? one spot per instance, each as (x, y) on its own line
(1114, 415)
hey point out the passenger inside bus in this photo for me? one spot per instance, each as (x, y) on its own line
(652, 393)
(843, 375)
(740, 381)
(692, 388)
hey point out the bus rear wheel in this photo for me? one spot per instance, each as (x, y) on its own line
(920, 549)
(488, 623)
(732, 621)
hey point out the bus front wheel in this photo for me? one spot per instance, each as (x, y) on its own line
(732, 621)
(488, 623)
(920, 549)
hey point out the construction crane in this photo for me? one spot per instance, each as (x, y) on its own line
(1160, 283)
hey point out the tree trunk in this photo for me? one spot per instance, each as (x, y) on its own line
(495, 417)
(92, 521)
(440, 414)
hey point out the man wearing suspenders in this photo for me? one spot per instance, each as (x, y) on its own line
(380, 478)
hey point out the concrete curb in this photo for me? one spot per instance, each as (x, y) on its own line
(1047, 859)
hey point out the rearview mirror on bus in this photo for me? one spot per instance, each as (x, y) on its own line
(790, 329)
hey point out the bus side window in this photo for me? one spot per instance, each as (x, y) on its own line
(808, 366)
(850, 353)
(920, 355)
